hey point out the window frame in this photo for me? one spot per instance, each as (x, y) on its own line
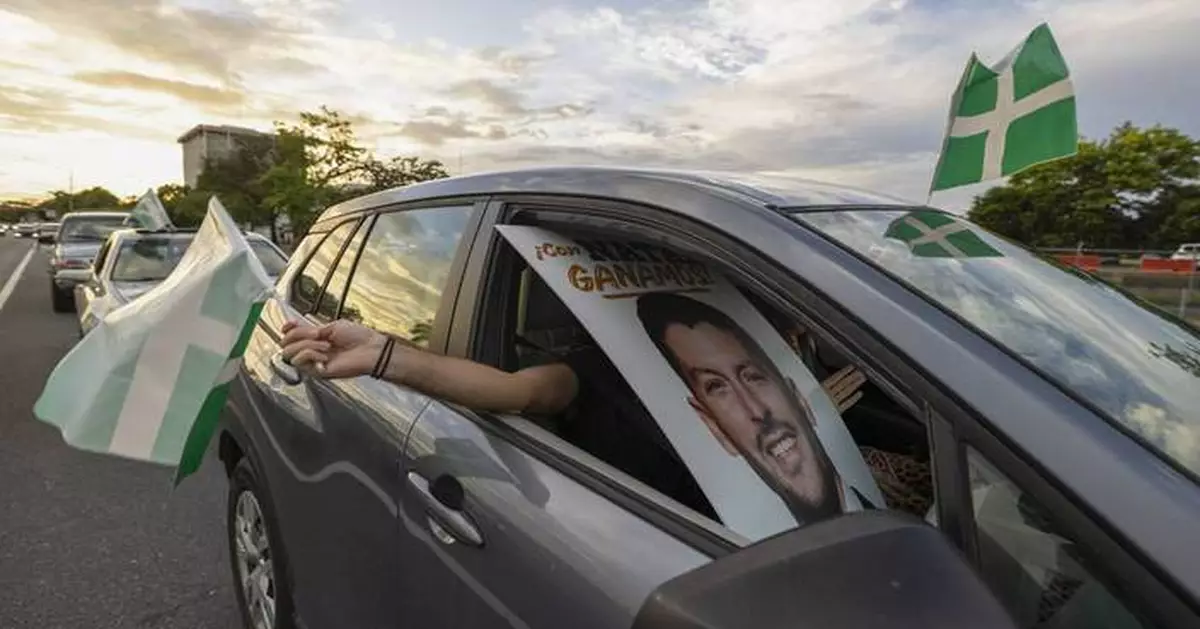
(473, 321)
(300, 268)
(364, 226)
(102, 257)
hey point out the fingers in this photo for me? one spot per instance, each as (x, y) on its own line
(293, 351)
(310, 360)
(295, 331)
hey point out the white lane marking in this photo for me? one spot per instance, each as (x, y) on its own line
(11, 284)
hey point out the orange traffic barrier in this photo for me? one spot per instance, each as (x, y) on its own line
(1085, 262)
(1176, 266)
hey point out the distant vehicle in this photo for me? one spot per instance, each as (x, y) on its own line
(25, 230)
(1187, 251)
(133, 261)
(47, 232)
(3, 228)
(79, 238)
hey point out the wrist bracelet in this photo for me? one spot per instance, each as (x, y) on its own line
(385, 358)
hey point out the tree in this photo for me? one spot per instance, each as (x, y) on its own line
(1131, 190)
(319, 163)
(95, 198)
(237, 180)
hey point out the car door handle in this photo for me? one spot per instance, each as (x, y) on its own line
(445, 504)
(285, 370)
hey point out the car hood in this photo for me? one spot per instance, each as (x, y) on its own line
(84, 250)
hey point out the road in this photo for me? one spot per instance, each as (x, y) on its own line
(87, 540)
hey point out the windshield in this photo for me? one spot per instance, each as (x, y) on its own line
(90, 229)
(1136, 365)
(271, 260)
(148, 259)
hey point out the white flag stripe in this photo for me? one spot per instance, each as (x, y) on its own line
(996, 121)
(157, 370)
(935, 236)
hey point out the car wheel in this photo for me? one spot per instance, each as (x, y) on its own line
(255, 554)
(60, 301)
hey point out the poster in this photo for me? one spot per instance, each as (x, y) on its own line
(752, 424)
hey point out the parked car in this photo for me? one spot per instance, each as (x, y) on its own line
(79, 238)
(133, 261)
(47, 232)
(4, 228)
(25, 230)
(1056, 414)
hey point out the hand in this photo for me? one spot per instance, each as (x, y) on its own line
(340, 349)
(843, 387)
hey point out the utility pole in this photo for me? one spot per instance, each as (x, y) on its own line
(71, 193)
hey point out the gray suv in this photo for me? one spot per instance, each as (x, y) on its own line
(1054, 416)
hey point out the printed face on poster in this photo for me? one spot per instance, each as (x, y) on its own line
(749, 420)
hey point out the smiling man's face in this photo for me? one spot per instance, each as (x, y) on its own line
(754, 412)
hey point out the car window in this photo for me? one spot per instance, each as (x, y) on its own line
(403, 269)
(306, 288)
(90, 228)
(1036, 570)
(101, 256)
(1129, 360)
(148, 259)
(334, 289)
(269, 256)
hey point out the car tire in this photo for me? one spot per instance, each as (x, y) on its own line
(249, 524)
(60, 301)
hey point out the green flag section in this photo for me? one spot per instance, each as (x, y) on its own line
(149, 213)
(1008, 117)
(149, 381)
(936, 235)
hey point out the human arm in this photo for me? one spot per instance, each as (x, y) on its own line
(343, 349)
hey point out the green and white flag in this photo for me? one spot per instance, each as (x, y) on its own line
(1006, 118)
(149, 212)
(150, 380)
(936, 235)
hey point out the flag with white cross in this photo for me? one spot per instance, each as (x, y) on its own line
(1008, 117)
(931, 234)
(150, 380)
(149, 213)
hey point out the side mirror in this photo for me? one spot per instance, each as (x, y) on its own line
(868, 569)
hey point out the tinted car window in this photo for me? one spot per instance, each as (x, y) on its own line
(307, 287)
(89, 228)
(403, 269)
(1132, 362)
(336, 287)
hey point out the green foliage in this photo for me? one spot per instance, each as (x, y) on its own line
(95, 198)
(1135, 189)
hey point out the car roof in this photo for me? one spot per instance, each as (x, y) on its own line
(772, 191)
(94, 214)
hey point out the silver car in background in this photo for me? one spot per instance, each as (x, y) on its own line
(133, 261)
(80, 235)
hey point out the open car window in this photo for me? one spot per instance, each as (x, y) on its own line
(750, 422)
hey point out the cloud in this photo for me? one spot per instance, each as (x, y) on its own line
(30, 111)
(191, 92)
(199, 40)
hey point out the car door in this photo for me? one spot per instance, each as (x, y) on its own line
(326, 457)
(336, 443)
(522, 528)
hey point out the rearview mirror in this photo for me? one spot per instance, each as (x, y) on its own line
(872, 569)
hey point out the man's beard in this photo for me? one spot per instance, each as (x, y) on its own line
(780, 447)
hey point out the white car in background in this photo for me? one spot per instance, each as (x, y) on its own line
(133, 261)
(1187, 251)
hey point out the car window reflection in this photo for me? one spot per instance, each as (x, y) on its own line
(1137, 365)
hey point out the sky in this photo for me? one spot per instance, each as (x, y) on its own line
(853, 92)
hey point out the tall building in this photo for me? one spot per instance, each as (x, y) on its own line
(205, 141)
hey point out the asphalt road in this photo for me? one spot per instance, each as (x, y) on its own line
(87, 540)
